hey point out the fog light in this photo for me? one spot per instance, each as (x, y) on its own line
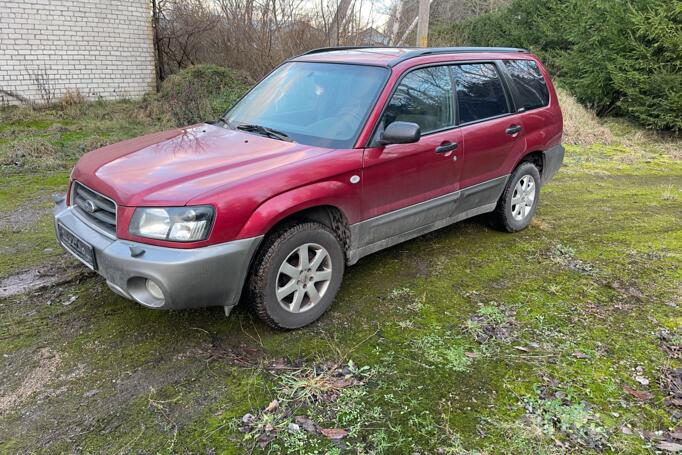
(154, 290)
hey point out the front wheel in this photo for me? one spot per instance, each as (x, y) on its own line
(517, 205)
(296, 275)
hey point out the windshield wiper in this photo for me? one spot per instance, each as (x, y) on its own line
(264, 131)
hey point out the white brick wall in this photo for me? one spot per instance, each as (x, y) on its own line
(102, 48)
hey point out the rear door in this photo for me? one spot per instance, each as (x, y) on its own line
(406, 186)
(492, 133)
(541, 124)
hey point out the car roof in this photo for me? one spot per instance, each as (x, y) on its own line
(391, 56)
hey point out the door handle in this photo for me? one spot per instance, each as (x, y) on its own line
(512, 130)
(446, 147)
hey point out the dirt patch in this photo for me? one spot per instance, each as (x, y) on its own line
(36, 380)
(82, 401)
(24, 217)
(243, 355)
(565, 256)
(541, 224)
(64, 271)
(492, 322)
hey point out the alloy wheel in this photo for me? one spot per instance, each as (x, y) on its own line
(303, 278)
(523, 197)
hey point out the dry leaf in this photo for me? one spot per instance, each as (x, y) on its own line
(273, 406)
(307, 424)
(471, 355)
(341, 383)
(265, 439)
(640, 395)
(334, 433)
(521, 348)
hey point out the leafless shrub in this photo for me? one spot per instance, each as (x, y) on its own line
(256, 35)
(43, 81)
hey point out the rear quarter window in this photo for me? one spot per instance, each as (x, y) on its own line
(531, 89)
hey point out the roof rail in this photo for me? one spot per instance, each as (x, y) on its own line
(330, 49)
(452, 50)
(416, 51)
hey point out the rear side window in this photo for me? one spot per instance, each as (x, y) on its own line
(479, 92)
(424, 97)
(530, 85)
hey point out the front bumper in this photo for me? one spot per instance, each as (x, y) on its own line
(189, 278)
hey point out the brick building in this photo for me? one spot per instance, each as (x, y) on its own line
(103, 49)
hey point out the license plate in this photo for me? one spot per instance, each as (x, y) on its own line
(76, 246)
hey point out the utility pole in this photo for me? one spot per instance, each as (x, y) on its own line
(423, 23)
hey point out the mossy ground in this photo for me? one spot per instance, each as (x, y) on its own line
(462, 341)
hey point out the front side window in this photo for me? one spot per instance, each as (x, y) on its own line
(424, 97)
(530, 85)
(480, 94)
(319, 104)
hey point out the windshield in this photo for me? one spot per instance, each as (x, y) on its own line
(319, 104)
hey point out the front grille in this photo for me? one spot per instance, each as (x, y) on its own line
(95, 208)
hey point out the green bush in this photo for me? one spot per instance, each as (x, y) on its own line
(616, 57)
(649, 72)
(201, 93)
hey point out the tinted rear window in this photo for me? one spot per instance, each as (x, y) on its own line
(479, 92)
(530, 85)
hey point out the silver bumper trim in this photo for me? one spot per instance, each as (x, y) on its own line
(189, 278)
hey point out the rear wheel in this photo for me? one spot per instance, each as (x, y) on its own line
(296, 275)
(517, 205)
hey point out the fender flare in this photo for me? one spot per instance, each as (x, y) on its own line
(272, 211)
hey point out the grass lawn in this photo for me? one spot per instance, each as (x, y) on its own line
(564, 338)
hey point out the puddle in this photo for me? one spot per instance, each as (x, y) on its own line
(25, 281)
(39, 277)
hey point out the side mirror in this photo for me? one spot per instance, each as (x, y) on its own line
(401, 133)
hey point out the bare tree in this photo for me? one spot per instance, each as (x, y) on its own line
(337, 22)
(395, 20)
(255, 35)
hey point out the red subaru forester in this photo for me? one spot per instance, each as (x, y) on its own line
(336, 154)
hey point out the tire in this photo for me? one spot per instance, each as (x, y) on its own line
(296, 306)
(512, 217)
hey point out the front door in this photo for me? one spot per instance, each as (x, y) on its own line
(407, 186)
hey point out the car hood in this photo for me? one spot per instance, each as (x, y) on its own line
(173, 167)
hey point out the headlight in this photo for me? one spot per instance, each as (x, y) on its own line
(178, 224)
